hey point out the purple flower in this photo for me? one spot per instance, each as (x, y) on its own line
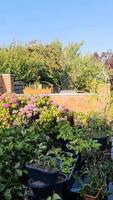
(6, 105)
(28, 110)
(31, 107)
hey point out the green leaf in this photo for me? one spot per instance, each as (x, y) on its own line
(56, 197)
(7, 195)
(18, 172)
(17, 165)
(2, 187)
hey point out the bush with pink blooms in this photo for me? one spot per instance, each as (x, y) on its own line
(17, 111)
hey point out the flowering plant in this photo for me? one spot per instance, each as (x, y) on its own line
(21, 111)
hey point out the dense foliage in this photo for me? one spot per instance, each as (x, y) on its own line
(62, 66)
(34, 127)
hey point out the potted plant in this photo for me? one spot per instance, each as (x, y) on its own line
(43, 190)
(98, 129)
(45, 169)
(93, 188)
(99, 172)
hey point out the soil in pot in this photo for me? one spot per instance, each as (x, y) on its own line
(43, 166)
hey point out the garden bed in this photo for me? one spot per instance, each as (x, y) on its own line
(32, 129)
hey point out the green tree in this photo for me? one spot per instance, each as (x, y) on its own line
(62, 66)
(84, 72)
(87, 73)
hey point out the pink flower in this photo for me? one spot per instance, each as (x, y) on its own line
(30, 107)
(29, 114)
(2, 98)
(14, 100)
(22, 111)
(33, 99)
(6, 105)
(14, 111)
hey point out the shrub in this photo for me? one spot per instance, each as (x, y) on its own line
(17, 146)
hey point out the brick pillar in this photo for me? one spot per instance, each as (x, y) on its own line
(8, 84)
(1, 84)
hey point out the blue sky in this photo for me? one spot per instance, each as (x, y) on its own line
(90, 21)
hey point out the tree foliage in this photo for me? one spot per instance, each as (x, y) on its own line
(87, 72)
(62, 66)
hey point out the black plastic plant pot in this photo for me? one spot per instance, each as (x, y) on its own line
(31, 195)
(80, 162)
(40, 189)
(60, 186)
(102, 141)
(36, 173)
(63, 144)
(112, 141)
(43, 190)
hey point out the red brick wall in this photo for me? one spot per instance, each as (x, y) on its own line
(85, 102)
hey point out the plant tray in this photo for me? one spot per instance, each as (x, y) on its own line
(89, 197)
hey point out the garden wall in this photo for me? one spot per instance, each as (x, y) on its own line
(85, 102)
